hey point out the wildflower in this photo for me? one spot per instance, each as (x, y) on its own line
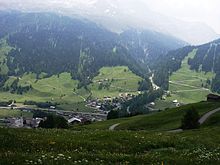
(52, 142)
(61, 155)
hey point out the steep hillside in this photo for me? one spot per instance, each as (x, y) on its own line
(37, 48)
(53, 44)
(205, 59)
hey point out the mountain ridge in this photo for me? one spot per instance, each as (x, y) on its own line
(118, 17)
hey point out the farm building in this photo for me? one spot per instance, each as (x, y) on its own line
(213, 97)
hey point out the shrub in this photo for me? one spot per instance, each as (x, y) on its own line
(54, 121)
(113, 114)
(191, 119)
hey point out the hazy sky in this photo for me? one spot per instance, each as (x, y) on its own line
(207, 11)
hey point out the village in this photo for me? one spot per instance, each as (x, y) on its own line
(108, 103)
(101, 108)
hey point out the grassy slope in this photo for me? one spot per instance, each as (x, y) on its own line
(49, 147)
(192, 79)
(123, 81)
(186, 85)
(213, 120)
(165, 120)
(60, 88)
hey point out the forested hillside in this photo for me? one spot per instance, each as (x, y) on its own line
(206, 59)
(52, 44)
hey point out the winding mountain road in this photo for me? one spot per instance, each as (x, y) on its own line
(111, 128)
(207, 115)
(201, 121)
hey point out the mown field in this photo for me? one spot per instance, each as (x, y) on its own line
(160, 121)
(117, 80)
(187, 86)
(63, 90)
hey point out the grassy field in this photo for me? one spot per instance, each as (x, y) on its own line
(161, 121)
(147, 136)
(13, 113)
(118, 79)
(187, 86)
(63, 90)
(214, 120)
(56, 88)
(53, 147)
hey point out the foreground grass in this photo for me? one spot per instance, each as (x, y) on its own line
(162, 121)
(22, 146)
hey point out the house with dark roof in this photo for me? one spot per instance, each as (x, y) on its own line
(213, 97)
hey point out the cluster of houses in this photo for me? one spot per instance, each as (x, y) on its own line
(21, 122)
(101, 105)
(83, 118)
(71, 117)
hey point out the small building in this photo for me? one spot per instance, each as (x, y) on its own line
(213, 97)
(177, 104)
(16, 122)
(175, 101)
(152, 104)
(32, 122)
(74, 120)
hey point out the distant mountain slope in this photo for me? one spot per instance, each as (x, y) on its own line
(207, 59)
(119, 15)
(50, 43)
(55, 44)
(148, 46)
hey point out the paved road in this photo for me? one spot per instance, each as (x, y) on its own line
(56, 110)
(207, 115)
(185, 85)
(201, 120)
(193, 90)
(113, 126)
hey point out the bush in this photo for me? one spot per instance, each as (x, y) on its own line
(113, 114)
(191, 119)
(54, 121)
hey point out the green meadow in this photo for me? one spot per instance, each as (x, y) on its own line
(160, 121)
(186, 85)
(62, 88)
(137, 140)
